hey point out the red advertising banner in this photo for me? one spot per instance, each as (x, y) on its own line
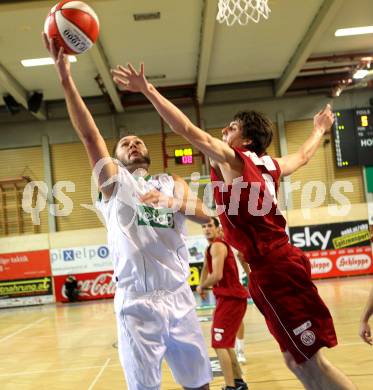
(335, 249)
(94, 285)
(341, 262)
(25, 265)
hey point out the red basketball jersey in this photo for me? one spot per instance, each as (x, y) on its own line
(230, 284)
(247, 209)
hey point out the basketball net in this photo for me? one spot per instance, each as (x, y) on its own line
(242, 11)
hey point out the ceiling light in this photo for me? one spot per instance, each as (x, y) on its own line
(343, 32)
(42, 61)
(360, 74)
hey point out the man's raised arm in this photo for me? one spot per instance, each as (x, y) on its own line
(130, 80)
(82, 119)
(322, 121)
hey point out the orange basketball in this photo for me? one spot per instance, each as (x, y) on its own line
(74, 25)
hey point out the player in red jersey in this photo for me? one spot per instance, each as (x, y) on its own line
(221, 273)
(248, 180)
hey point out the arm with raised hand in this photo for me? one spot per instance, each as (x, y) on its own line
(131, 80)
(323, 121)
(82, 119)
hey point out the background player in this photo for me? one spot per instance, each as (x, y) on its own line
(280, 281)
(154, 305)
(221, 273)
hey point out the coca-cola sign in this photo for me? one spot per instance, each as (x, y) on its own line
(96, 285)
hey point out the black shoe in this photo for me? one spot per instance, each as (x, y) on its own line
(240, 384)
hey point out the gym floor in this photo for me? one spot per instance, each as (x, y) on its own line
(73, 346)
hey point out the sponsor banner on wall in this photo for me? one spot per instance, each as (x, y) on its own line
(330, 236)
(195, 274)
(370, 214)
(26, 301)
(98, 285)
(79, 260)
(339, 249)
(92, 285)
(26, 291)
(24, 265)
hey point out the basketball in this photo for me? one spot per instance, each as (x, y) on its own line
(74, 25)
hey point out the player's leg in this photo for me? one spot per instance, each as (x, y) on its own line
(240, 344)
(237, 372)
(318, 373)
(138, 325)
(226, 366)
(298, 319)
(186, 353)
(228, 316)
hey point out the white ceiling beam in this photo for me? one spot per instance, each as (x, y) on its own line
(98, 56)
(20, 94)
(320, 22)
(207, 40)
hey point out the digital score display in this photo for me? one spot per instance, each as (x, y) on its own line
(184, 156)
(344, 139)
(364, 135)
(353, 137)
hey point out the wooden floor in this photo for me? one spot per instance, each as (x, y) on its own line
(73, 346)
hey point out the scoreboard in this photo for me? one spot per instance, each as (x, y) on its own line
(353, 137)
(183, 156)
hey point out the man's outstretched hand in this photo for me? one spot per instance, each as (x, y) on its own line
(60, 59)
(323, 120)
(128, 79)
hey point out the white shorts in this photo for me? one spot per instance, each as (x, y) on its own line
(156, 325)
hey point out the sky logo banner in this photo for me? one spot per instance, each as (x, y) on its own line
(337, 249)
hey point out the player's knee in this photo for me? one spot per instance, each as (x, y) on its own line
(319, 362)
(290, 361)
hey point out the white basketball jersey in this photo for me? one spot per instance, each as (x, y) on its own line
(146, 243)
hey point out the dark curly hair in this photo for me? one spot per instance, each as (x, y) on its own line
(216, 221)
(256, 127)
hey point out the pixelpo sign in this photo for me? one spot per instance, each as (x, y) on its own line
(79, 260)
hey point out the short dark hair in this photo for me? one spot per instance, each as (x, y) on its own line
(256, 127)
(216, 221)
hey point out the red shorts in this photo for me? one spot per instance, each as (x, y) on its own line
(228, 315)
(282, 289)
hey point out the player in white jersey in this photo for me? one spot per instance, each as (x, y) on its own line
(154, 305)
